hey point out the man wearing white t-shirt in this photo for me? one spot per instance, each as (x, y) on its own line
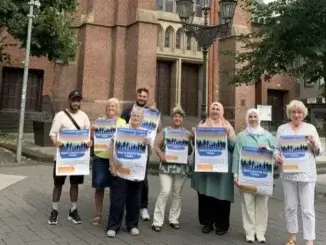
(69, 119)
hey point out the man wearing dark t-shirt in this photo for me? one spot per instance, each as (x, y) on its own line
(141, 101)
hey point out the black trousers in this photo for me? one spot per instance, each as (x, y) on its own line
(125, 194)
(144, 190)
(212, 211)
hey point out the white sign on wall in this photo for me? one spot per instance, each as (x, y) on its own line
(265, 112)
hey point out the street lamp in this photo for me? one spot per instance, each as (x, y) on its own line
(205, 35)
(32, 4)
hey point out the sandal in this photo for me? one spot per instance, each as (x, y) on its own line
(97, 220)
(291, 242)
(175, 226)
(156, 228)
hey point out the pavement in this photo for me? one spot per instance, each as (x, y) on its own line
(25, 203)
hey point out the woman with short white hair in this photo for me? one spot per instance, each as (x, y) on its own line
(125, 192)
(299, 186)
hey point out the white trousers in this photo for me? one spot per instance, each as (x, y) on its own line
(303, 192)
(254, 213)
(169, 182)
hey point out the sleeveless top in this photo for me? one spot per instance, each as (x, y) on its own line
(174, 168)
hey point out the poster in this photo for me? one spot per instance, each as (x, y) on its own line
(256, 171)
(176, 150)
(294, 149)
(73, 155)
(265, 112)
(130, 153)
(150, 123)
(104, 130)
(211, 150)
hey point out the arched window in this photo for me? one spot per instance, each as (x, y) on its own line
(179, 39)
(198, 47)
(189, 43)
(168, 37)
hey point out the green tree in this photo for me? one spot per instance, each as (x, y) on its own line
(290, 39)
(52, 35)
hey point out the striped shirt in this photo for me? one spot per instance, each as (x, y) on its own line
(306, 129)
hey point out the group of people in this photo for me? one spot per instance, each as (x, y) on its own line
(215, 190)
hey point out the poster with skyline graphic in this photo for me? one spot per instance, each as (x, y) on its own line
(73, 156)
(294, 149)
(211, 150)
(256, 171)
(131, 153)
(104, 130)
(176, 150)
(150, 122)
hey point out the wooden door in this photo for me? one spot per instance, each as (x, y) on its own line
(275, 98)
(163, 86)
(12, 83)
(189, 89)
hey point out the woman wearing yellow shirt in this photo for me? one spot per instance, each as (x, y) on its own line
(101, 176)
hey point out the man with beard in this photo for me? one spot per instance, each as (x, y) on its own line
(70, 119)
(141, 101)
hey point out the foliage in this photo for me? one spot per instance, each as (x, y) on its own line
(52, 36)
(290, 39)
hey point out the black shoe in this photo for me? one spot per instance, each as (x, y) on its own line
(207, 229)
(53, 219)
(221, 232)
(74, 217)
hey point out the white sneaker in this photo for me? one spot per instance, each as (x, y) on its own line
(111, 233)
(144, 214)
(134, 232)
(250, 239)
(261, 238)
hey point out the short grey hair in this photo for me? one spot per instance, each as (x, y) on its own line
(137, 110)
(116, 102)
(296, 104)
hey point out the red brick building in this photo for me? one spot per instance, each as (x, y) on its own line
(130, 43)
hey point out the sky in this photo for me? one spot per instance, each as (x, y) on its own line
(268, 1)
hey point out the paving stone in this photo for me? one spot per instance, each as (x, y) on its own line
(26, 206)
(14, 241)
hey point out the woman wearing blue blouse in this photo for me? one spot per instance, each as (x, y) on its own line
(254, 207)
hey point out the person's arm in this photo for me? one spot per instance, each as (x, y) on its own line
(317, 149)
(231, 143)
(110, 149)
(236, 155)
(159, 127)
(55, 128)
(158, 146)
(87, 125)
(271, 143)
(231, 138)
(277, 150)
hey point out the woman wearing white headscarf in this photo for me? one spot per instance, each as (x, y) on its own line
(254, 207)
